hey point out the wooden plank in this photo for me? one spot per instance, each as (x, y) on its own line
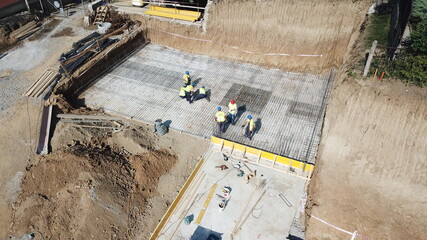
(46, 84)
(40, 84)
(84, 121)
(31, 88)
(27, 26)
(250, 212)
(27, 33)
(206, 204)
(95, 117)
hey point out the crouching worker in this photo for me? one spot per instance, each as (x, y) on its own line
(190, 90)
(199, 94)
(249, 127)
(183, 93)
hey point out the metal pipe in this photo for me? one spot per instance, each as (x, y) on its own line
(41, 5)
(28, 6)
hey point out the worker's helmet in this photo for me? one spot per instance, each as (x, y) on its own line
(249, 116)
(193, 84)
(218, 108)
(203, 86)
(232, 102)
(187, 72)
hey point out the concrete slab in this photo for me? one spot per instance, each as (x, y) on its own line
(288, 107)
(260, 215)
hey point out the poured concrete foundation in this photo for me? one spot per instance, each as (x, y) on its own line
(288, 107)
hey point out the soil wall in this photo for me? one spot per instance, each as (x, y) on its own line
(291, 27)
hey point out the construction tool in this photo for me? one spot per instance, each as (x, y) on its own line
(222, 167)
(285, 200)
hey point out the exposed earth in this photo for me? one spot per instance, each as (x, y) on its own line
(370, 170)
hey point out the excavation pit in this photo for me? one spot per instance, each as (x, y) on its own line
(288, 107)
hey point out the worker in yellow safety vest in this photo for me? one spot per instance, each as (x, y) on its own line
(190, 90)
(187, 78)
(200, 93)
(220, 118)
(232, 111)
(183, 92)
(249, 127)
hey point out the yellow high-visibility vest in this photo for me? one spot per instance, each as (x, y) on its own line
(220, 116)
(232, 108)
(251, 124)
(182, 92)
(202, 91)
(186, 78)
(190, 88)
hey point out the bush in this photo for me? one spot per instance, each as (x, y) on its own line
(412, 68)
(418, 38)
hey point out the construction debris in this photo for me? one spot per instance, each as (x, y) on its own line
(85, 49)
(40, 85)
(93, 121)
(92, 44)
(24, 31)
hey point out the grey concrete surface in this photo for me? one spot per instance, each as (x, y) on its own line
(288, 107)
(261, 216)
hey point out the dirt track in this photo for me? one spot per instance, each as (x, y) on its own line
(371, 169)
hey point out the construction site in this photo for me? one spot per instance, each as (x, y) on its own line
(98, 143)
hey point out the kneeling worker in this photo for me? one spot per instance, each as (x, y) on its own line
(199, 94)
(190, 90)
(183, 92)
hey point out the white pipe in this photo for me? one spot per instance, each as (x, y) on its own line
(28, 6)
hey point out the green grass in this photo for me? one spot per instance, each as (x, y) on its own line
(378, 28)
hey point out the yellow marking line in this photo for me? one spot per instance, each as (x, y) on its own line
(206, 204)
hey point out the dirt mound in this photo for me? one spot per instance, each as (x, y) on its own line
(88, 191)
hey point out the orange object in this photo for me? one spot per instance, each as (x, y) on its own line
(381, 77)
(375, 74)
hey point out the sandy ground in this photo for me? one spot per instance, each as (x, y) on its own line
(371, 169)
(265, 27)
(20, 116)
(17, 147)
(91, 188)
(89, 184)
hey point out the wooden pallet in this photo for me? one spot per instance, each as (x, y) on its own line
(101, 14)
